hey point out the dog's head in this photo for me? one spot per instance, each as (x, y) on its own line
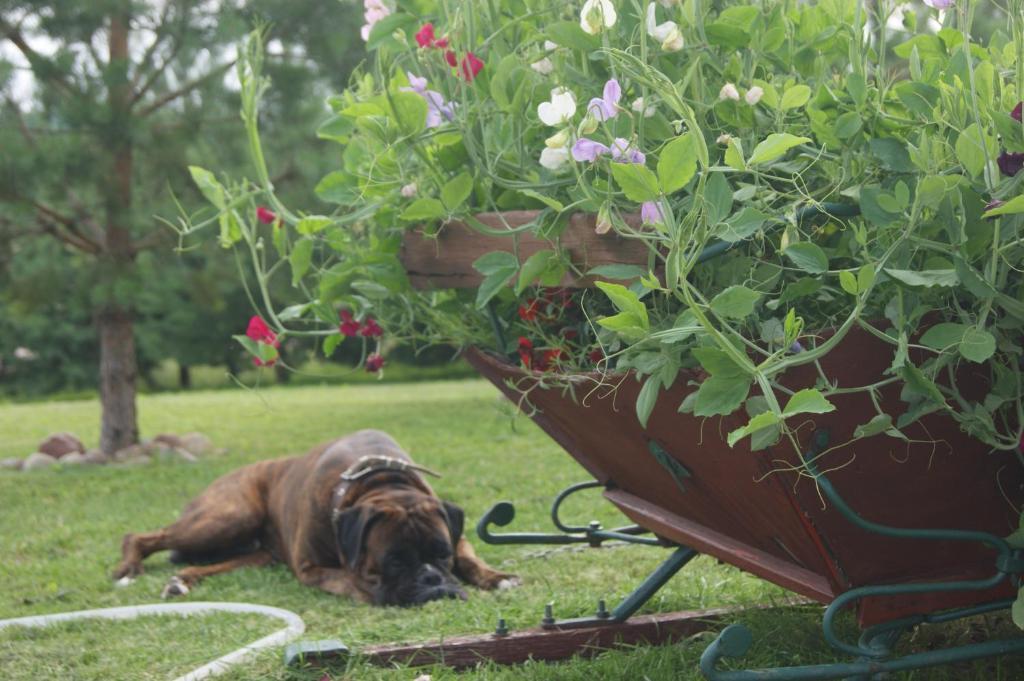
(400, 546)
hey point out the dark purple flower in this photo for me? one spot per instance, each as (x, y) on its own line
(1016, 113)
(796, 348)
(588, 150)
(374, 363)
(1010, 163)
(992, 205)
(603, 109)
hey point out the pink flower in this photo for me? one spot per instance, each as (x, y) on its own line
(438, 110)
(470, 66)
(265, 215)
(449, 57)
(374, 363)
(606, 108)
(349, 327)
(261, 333)
(939, 4)
(371, 329)
(624, 152)
(425, 38)
(374, 11)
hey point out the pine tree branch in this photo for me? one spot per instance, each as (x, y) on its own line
(157, 72)
(57, 224)
(69, 238)
(43, 68)
(155, 238)
(158, 39)
(188, 87)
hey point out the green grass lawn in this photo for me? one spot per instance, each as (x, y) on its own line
(60, 533)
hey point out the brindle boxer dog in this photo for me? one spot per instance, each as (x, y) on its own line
(352, 517)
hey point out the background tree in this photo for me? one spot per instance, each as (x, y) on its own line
(124, 95)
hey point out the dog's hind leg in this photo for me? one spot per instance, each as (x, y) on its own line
(181, 583)
(473, 570)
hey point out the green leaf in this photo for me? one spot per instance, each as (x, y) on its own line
(1017, 610)
(409, 110)
(625, 301)
(456, 191)
(848, 125)
(338, 187)
(972, 145)
(1014, 205)
(534, 267)
(807, 401)
(312, 224)
(621, 272)
(721, 394)
(926, 278)
(765, 419)
(424, 209)
(734, 154)
(774, 146)
(569, 34)
(300, 258)
(807, 256)
(263, 351)
(498, 268)
(231, 231)
(848, 282)
(879, 423)
(647, 398)
(551, 203)
(678, 163)
(977, 345)
(741, 225)
(208, 185)
(625, 324)
(638, 183)
(795, 96)
(717, 363)
(944, 336)
(717, 198)
(857, 86)
(892, 153)
(865, 278)
(735, 302)
(382, 31)
(331, 343)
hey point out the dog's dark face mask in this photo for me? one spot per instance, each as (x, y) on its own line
(402, 552)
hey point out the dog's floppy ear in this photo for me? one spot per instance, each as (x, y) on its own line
(455, 519)
(349, 532)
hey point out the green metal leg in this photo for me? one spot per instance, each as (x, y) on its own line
(875, 645)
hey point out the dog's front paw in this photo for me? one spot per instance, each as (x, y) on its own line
(175, 586)
(509, 582)
(499, 581)
(126, 573)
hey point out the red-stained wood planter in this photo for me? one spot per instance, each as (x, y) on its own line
(751, 509)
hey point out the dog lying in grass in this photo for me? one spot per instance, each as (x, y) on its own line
(353, 517)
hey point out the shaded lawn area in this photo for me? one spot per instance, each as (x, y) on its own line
(60, 533)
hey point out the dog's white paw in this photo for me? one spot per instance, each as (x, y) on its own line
(124, 581)
(175, 587)
(509, 583)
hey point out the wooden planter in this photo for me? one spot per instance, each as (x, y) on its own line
(750, 510)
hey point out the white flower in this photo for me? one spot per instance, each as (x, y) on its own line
(669, 3)
(754, 95)
(24, 354)
(409, 190)
(666, 33)
(560, 109)
(597, 14)
(543, 66)
(729, 91)
(642, 107)
(550, 46)
(724, 138)
(554, 158)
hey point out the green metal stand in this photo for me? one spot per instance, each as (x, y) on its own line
(874, 649)
(502, 514)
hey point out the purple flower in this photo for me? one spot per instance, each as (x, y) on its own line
(650, 213)
(796, 348)
(1010, 163)
(624, 152)
(1016, 113)
(992, 205)
(588, 150)
(606, 108)
(438, 110)
(939, 4)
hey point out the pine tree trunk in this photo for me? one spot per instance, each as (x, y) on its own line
(118, 371)
(184, 377)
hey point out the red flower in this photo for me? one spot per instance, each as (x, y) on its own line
(528, 312)
(526, 351)
(1016, 113)
(265, 215)
(449, 57)
(425, 38)
(569, 334)
(470, 66)
(549, 359)
(261, 333)
(371, 329)
(349, 327)
(596, 355)
(374, 363)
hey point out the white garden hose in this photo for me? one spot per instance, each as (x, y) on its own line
(295, 627)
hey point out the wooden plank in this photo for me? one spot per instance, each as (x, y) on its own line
(446, 261)
(548, 644)
(677, 528)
